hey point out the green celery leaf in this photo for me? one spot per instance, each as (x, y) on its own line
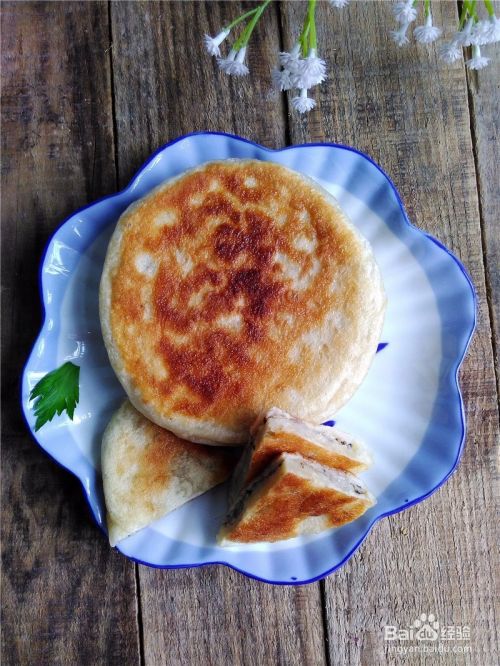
(55, 393)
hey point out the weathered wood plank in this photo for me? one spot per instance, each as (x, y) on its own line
(410, 113)
(66, 597)
(213, 616)
(484, 93)
(166, 86)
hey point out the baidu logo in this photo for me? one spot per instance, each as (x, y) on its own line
(427, 628)
(428, 635)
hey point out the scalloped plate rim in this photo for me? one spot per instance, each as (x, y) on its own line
(452, 373)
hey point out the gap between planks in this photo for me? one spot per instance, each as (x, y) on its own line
(482, 224)
(138, 604)
(473, 120)
(283, 104)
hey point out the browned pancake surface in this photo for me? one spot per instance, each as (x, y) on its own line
(162, 457)
(148, 471)
(275, 443)
(224, 297)
(279, 512)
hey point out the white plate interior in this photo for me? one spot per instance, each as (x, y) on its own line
(397, 410)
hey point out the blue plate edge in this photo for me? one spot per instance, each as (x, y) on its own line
(454, 370)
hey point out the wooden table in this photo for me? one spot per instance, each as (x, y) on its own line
(90, 90)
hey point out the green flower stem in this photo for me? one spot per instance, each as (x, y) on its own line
(244, 38)
(312, 22)
(304, 35)
(489, 7)
(473, 11)
(464, 14)
(307, 39)
(241, 18)
(468, 11)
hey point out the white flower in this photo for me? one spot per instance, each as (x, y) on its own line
(491, 30)
(339, 4)
(399, 36)
(477, 61)
(303, 103)
(464, 37)
(428, 33)
(212, 43)
(494, 30)
(450, 52)
(311, 71)
(290, 60)
(404, 12)
(480, 33)
(233, 64)
(283, 79)
(486, 32)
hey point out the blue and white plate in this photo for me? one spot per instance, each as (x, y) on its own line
(409, 408)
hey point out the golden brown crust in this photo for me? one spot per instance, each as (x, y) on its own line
(234, 288)
(279, 512)
(148, 471)
(275, 443)
(161, 457)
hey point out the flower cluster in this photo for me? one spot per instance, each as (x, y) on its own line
(472, 31)
(301, 68)
(302, 73)
(405, 14)
(234, 63)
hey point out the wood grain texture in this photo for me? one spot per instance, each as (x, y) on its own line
(410, 113)
(166, 86)
(66, 597)
(214, 616)
(484, 96)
